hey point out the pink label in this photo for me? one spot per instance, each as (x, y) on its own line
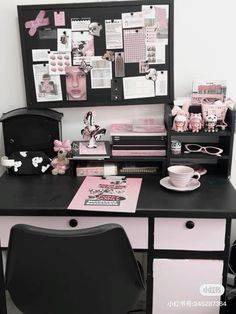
(99, 150)
(59, 18)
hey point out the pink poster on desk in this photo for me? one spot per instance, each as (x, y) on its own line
(111, 195)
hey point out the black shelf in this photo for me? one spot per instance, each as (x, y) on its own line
(220, 165)
(202, 133)
(138, 158)
(200, 137)
(194, 159)
(222, 139)
(200, 156)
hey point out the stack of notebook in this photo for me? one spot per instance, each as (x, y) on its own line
(138, 139)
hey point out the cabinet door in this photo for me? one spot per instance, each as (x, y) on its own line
(176, 286)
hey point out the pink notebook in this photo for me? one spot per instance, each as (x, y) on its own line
(121, 129)
(97, 194)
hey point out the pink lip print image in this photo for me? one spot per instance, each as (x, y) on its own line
(75, 83)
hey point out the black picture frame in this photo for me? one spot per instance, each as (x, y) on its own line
(99, 12)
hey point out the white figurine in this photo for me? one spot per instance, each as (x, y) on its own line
(92, 131)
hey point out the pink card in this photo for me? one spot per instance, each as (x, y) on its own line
(97, 194)
(59, 18)
(99, 150)
(134, 45)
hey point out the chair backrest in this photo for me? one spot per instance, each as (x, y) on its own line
(87, 271)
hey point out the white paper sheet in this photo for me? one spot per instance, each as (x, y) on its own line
(148, 11)
(63, 39)
(113, 31)
(162, 83)
(157, 16)
(132, 19)
(84, 42)
(47, 87)
(156, 53)
(82, 47)
(138, 87)
(101, 73)
(40, 55)
(80, 24)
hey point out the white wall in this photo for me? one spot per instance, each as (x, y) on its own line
(204, 48)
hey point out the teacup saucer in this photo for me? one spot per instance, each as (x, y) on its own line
(193, 184)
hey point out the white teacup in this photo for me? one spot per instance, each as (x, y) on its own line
(180, 176)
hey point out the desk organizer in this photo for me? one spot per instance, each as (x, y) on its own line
(31, 130)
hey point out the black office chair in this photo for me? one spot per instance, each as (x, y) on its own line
(88, 271)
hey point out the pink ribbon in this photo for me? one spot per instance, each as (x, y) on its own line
(65, 145)
(39, 21)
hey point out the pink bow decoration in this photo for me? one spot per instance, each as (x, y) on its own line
(65, 145)
(39, 21)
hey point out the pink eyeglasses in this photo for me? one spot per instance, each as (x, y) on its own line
(210, 150)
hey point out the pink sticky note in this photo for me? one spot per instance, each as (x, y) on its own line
(59, 18)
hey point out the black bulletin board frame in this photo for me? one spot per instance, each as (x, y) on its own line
(98, 97)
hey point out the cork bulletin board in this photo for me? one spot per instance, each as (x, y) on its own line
(97, 54)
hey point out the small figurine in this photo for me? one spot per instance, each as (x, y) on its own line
(211, 123)
(180, 122)
(151, 74)
(92, 131)
(95, 29)
(60, 163)
(109, 55)
(195, 122)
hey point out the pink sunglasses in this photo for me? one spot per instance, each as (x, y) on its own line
(210, 150)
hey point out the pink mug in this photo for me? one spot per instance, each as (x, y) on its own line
(180, 176)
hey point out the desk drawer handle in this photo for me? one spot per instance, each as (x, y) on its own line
(73, 223)
(190, 224)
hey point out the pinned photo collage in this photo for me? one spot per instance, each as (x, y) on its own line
(137, 38)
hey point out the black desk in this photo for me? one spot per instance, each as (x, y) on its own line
(51, 195)
(211, 208)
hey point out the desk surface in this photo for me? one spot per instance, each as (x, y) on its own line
(50, 195)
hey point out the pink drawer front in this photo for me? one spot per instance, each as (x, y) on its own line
(136, 228)
(189, 234)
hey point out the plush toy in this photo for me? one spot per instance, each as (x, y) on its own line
(60, 163)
